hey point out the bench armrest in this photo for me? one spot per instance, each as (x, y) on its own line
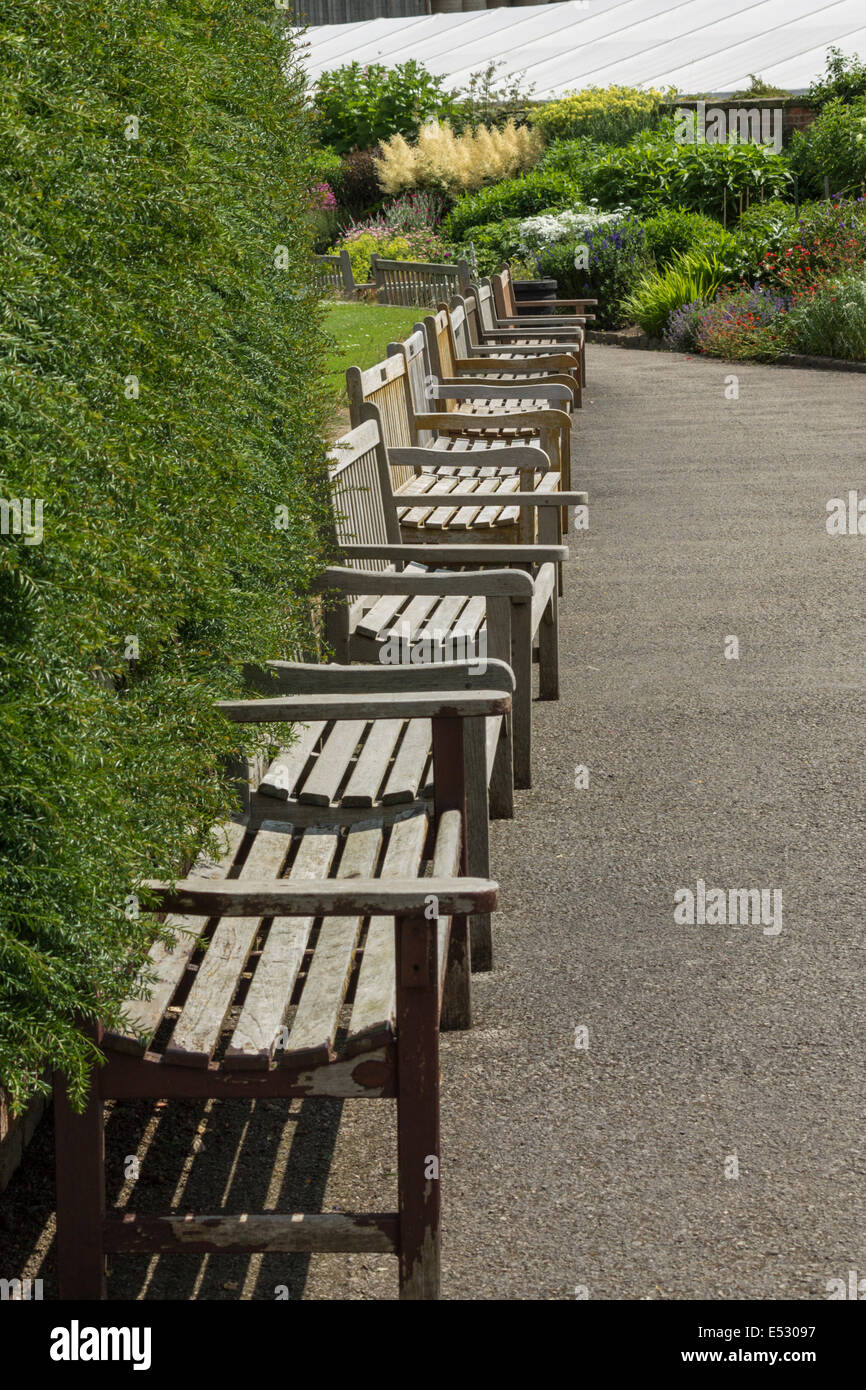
(454, 421)
(481, 390)
(532, 362)
(460, 553)
(508, 582)
(552, 328)
(500, 499)
(556, 303)
(389, 701)
(297, 897)
(516, 456)
(544, 349)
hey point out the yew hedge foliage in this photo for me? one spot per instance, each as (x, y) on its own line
(181, 509)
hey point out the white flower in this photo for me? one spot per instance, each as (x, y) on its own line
(549, 228)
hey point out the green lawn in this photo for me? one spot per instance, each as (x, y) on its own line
(361, 334)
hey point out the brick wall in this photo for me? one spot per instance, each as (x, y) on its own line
(796, 111)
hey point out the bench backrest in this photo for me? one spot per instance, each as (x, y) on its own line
(420, 377)
(334, 273)
(421, 283)
(362, 503)
(503, 294)
(451, 334)
(480, 311)
(385, 387)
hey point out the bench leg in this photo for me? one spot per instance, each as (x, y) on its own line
(521, 665)
(457, 990)
(80, 1175)
(456, 1008)
(502, 776)
(418, 1107)
(548, 649)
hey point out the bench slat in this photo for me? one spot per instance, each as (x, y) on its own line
(266, 1006)
(287, 768)
(413, 757)
(320, 788)
(372, 764)
(314, 1030)
(198, 1029)
(375, 997)
(169, 965)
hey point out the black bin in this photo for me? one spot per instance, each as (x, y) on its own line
(533, 289)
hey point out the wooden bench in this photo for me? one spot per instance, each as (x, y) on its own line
(418, 283)
(492, 600)
(456, 358)
(506, 305)
(474, 399)
(333, 274)
(484, 332)
(474, 425)
(314, 960)
(506, 314)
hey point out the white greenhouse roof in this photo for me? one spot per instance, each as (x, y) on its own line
(692, 45)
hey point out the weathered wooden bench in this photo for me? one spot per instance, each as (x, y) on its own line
(505, 303)
(491, 600)
(474, 399)
(308, 960)
(484, 332)
(418, 283)
(484, 424)
(506, 314)
(454, 356)
(334, 275)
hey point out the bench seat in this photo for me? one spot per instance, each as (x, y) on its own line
(256, 992)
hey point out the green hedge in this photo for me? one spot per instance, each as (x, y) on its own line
(537, 191)
(152, 258)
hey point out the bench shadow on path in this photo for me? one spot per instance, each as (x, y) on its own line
(252, 1156)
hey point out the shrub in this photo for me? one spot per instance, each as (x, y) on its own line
(743, 323)
(676, 230)
(492, 243)
(404, 231)
(650, 174)
(763, 228)
(611, 115)
(572, 157)
(615, 260)
(832, 321)
(487, 100)
(833, 146)
(357, 187)
(158, 390)
(357, 107)
(844, 79)
(456, 163)
(573, 225)
(363, 245)
(830, 238)
(689, 277)
(680, 332)
(537, 191)
(758, 89)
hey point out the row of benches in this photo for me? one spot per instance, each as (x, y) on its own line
(322, 950)
(393, 282)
